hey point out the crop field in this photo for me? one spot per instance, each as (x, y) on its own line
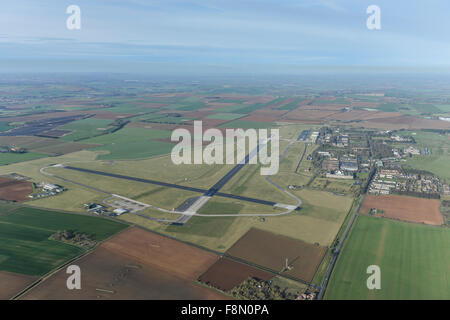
(85, 128)
(15, 190)
(162, 253)
(65, 147)
(404, 208)
(413, 260)
(31, 143)
(8, 158)
(13, 283)
(109, 275)
(247, 124)
(24, 236)
(226, 274)
(271, 251)
(225, 116)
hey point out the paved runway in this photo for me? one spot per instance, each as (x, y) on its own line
(172, 185)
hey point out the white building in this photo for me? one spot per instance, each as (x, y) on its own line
(120, 211)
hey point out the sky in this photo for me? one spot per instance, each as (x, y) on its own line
(223, 36)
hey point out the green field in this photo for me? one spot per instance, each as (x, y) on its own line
(4, 126)
(215, 227)
(414, 261)
(247, 124)
(85, 128)
(292, 105)
(133, 143)
(224, 116)
(439, 160)
(389, 107)
(8, 158)
(24, 237)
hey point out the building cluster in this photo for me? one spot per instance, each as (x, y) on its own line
(314, 136)
(411, 151)
(13, 149)
(387, 181)
(95, 208)
(101, 209)
(339, 167)
(342, 141)
(306, 296)
(396, 138)
(45, 189)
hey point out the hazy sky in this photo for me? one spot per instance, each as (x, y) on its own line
(230, 35)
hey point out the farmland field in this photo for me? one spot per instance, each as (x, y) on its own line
(271, 251)
(404, 208)
(225, 274)
(85, 128)
(8, 158)
(14, 190)
(247, 124)
(109, 275)
(413, 259)
(439, 160)
(162, 253)
(13, 283)
(24, 236)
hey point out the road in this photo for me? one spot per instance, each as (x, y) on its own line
(338, 249)
(299, 201)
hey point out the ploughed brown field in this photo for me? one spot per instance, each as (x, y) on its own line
(271, 251)
(404, 208)
(226, 274)
(12, 283)
(108, 275)
(167, 255)
(15, 190)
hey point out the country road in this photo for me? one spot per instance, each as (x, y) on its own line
(324, 284)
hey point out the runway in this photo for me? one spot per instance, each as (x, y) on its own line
(172, 185)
